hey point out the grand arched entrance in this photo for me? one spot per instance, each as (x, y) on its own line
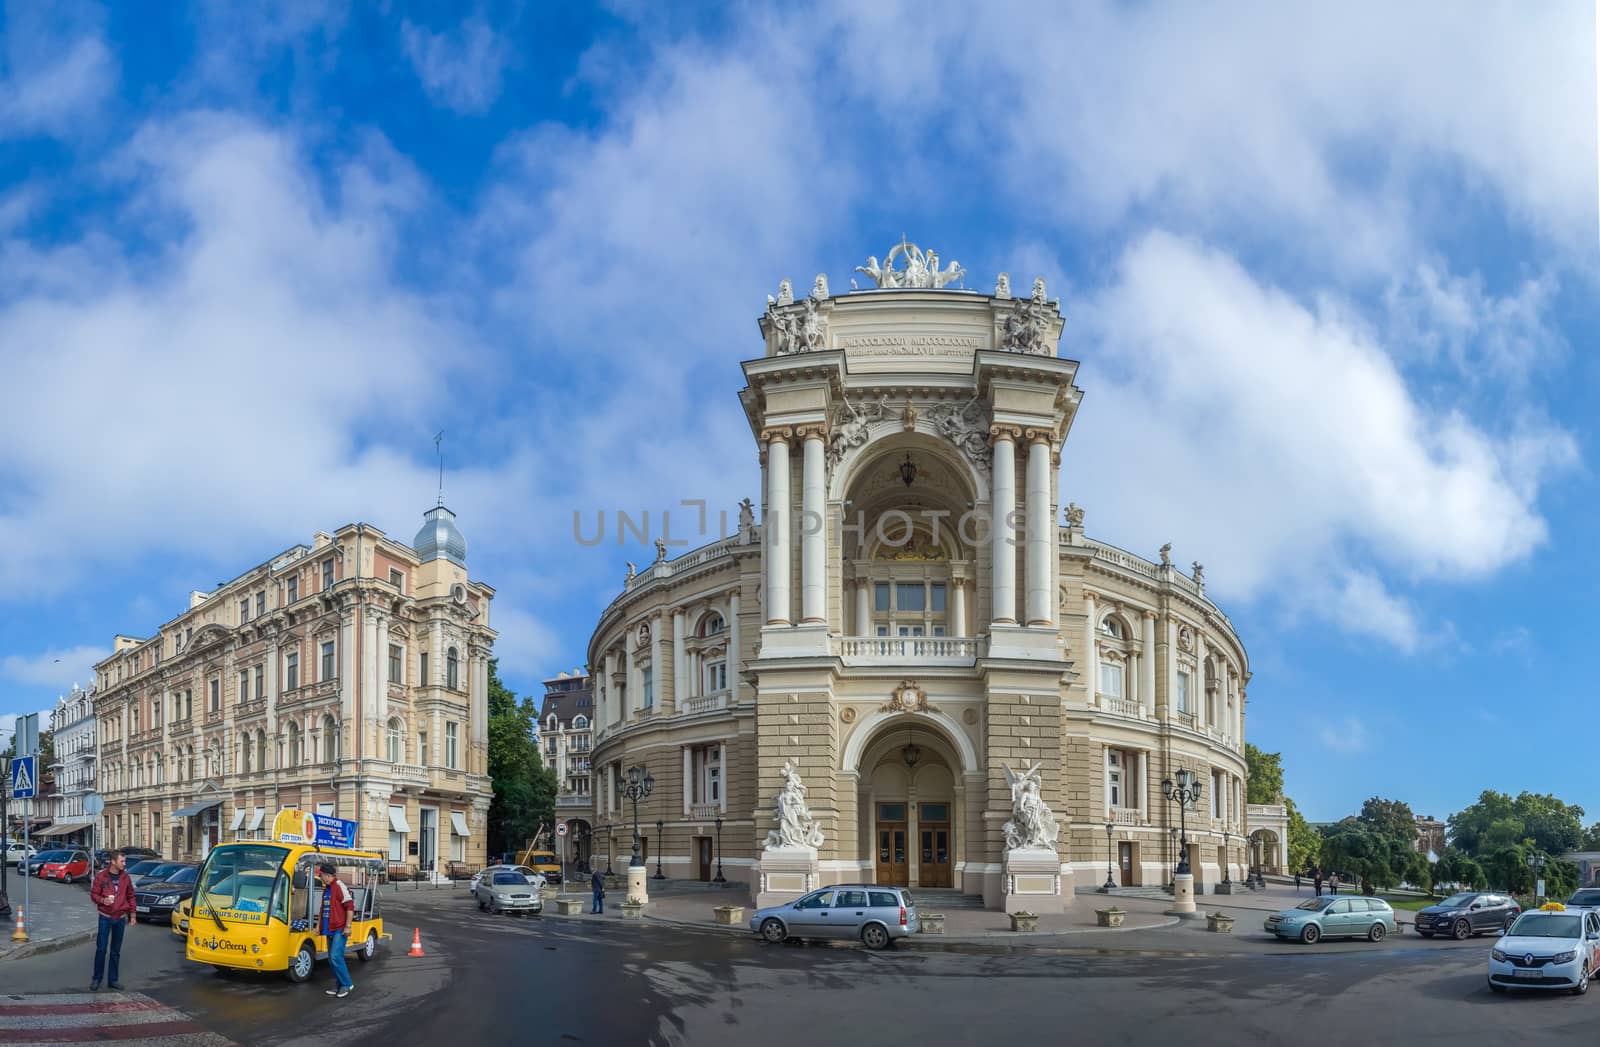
(912, 792)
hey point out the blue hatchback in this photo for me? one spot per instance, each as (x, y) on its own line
(1334, 917)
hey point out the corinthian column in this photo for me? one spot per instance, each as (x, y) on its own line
(777, 525)
(1003, 571)
(1039, 527)
(813, 535)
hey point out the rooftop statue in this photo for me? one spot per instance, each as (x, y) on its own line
(921, 268)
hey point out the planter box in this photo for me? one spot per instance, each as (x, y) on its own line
(569, 906)
(1024, 921)
(932, 923)
(1109, 917)
(632, 911)
(729, 915)
(549, 891)
(1219, 923)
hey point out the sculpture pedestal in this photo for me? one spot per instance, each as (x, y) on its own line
(784, 874)
(1182, 896)
(1033, 880)
(636, 890)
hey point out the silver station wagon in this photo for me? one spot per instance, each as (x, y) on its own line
(873, 914)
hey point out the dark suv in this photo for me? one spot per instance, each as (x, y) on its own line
(1463, 915)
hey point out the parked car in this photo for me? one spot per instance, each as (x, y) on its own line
(1333, 917)
(874, 914)
(160, 873)
(155, 900)
(180, 918)
(15, 852)
(68, 867)
(506, 890)
(528, 874)
(34, 865)
(1547, 948)
(1468, 913)
(1585, 898)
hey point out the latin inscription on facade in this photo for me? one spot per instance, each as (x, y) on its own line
(924, 345)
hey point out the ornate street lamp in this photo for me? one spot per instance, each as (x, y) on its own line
(1105, 888)
(720, 880)
(1536, 864)
(640, 784)
(609, 830)
(1172, 854)
(661, 828)
(1185, 792)
(1227, 859)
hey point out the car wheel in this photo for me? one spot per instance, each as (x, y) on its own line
(1583, 981)
(1311, 935)
(1493, 987)
(304, 962)
(1506, 927)
(494, 905)
(773, 930)
(1461, 931)
(1377, 932)
(369, 948)
(874, 937)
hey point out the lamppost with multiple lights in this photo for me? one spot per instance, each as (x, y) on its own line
(1106, 887)
(720, 880)
(639, 784)
(1183, 789)
(1536, 863)
(661, 828)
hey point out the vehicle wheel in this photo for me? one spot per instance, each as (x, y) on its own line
(874, 937)
(1496, 988)
(1377, 932)
(1311, 935)
(369, 948)
(1429, 934)
(494, 906)
(1461, 931)
(304, 962)
(1583, 982)
(1509, 921)
(772, 930)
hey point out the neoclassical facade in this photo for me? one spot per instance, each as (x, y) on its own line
(72, 726)
(566, 741)
(347, 677)
(918, 621)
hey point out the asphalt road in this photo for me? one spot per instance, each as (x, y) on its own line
(549, 980)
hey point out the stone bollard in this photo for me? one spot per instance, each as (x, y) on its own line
(729, 915)
(1222, 923)
(1024, 921)
(569, 906)
(932, 922)
(632, 910)
(1109, 917)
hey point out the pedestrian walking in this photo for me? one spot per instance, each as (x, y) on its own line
(112, 894)
(597, 883)
(1333, 884)
(1297, 881)
(337, 905)
(1316, 881)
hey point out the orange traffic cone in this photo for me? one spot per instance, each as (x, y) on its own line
(416, 941)
(21, 933)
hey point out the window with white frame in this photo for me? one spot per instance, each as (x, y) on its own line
(1111, 674)
(1114, 769)
(244, 610)
(396, 664)
(327, 660)
(396, 740)
(649, 687)
(291, 670)
(397, 838)
(716, 677)
(452, 670)
(216, 695)
(910, 604)
(291, 587)
(397, 578)
(261, 603)
(327, 574)
(1216, 795)
(261, 681)
(707, 775)
(244, 686)
(330, 740)
(1183, 691)
(450, 746)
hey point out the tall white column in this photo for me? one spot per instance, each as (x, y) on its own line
(722, 769)
(1172, 667)
(735, 651)
(814, 534)
(681, 686)
(1147, 664)
(1203, 712)
(1091, 650)
(958, 606)
(1144, 785)
(1241, 713)
(688, 779)
(1040, 529)
(863, 626)
(658, 663)
(630, 691)
(1004, 502)
(776, 531)
(613, 712)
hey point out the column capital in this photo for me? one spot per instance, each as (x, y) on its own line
(998, 433)
(1038, 435)
(1090, 595)
(812, 431)
(777, 434)
(1149, 614)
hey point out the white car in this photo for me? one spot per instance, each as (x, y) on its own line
(536, 879)
(1547, 948)
(15, 852)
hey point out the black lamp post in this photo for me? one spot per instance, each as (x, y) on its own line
(1185, 792)
(609, 830)
(639, 785)
(720, 880)
(1536, 865)
(661, 828)
(1227, 859)
(1173, 855)
(1105, 888)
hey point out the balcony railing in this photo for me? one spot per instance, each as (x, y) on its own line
(410, 774)
(1120, 706)
(1126, 816)
(575, 800)
(904, 650)
(707, 703)
(704, 812)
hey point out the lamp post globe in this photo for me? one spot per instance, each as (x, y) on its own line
(639, 785)
(1183, 789)
(1106, 887)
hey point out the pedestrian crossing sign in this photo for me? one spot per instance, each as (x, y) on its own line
(23, 777)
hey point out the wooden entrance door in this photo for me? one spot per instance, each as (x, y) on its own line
(893, 867)
(702, 853)
(1125, 862)
(933, 869)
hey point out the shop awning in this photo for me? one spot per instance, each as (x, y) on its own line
(194, 809)
(238, 819)
(57, 830)
(257, 818)
(458, 822)
(397, 820)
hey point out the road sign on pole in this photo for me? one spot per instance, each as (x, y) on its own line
(24, 777)
(27, 736)
(561, 828)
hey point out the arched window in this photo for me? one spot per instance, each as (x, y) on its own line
(1114, 657)
(711, 625)
(330, 740)
(294, 745)
(160, 768)
(261, 750)
(580, 723)
(244, 756)
(396, 744)
(452, 670)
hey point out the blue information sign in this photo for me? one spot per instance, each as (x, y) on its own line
(24, 777)
(336, 832)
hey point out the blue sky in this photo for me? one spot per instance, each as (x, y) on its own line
(1331, 276)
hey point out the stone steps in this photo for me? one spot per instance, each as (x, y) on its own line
(945, 899)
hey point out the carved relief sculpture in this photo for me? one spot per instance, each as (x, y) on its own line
(795, 825)
(850, 427)
(802, 330)
(967, 426)
(1027, 326)
(1074, 515)
(907, 698)
(1002, 286)
(1032, 823)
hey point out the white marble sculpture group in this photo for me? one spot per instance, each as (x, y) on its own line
(1032, 824)
(796, 828)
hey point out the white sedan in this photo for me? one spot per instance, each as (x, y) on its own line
(15, 852)
(536, 879)
(1547, 948)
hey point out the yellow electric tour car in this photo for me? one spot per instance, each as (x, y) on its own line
(257, 905)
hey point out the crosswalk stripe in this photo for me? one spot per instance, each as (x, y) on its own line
(131, 1019)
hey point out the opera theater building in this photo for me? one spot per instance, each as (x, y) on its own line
(911, 665)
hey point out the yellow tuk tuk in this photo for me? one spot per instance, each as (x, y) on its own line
(257, 905)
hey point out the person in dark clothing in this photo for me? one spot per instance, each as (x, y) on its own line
(112, 894)
(1316, 882)
(1297, 881)
(597, 883)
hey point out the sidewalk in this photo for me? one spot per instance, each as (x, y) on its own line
(58, 915)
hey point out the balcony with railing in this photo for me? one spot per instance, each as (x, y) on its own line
(569, 801)
(706, 703)
(1118, 706)
(704, 812)
(866, 651)
(410, 775)
(1126, 816)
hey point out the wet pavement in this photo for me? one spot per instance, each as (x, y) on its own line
(55, 912)
(556, 980)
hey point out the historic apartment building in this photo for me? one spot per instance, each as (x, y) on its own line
(566, 737)
(348, 676)
(939, 635)
(72, 726)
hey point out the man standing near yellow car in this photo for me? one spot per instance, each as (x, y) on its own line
(337, 905)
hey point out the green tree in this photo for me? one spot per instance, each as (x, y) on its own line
(1496, 822)
(1304, 842)
(524, 788)
(1455, 866)
(1265, 770)
(1591, 838)
(1390, 818)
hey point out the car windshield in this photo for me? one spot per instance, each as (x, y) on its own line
(1315, 904)
(239, 877)
(1457, 901)
(1547, 925)
(165, 869)
(1587, 896)
(142, 868)
(516, 878)
(186, 874)
(52, 856)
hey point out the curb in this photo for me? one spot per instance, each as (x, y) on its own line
(48, 945)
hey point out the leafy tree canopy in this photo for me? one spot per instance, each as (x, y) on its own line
(1265, 784)
(1391, 818)
(524, 788)
(1497, 821)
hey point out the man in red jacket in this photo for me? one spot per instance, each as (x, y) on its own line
(337, 905)
(112, 894)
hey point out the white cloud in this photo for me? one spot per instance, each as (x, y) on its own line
(56, 76)
(54, 668)
(1348, 736)
(1439, 318)
(460, 70)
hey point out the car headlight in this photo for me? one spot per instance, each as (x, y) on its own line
(1565, 957)
(171, 899)
(1498, 955)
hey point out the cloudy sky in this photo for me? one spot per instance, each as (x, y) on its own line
(1331, 273)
